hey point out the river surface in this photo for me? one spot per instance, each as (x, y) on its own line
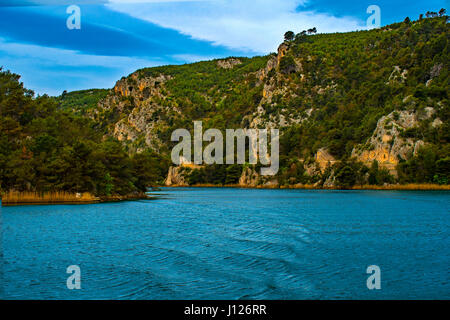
(218, 243)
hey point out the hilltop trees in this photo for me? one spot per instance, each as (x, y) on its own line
(300, 37)
(289, 36)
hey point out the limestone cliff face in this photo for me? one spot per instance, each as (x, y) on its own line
(271, 65)
(252, 178)
(249, 178)
(139, 88)
(175, 177)
(282, 51)
(324, 159)
(228, 63)
(386, 145)
(140, 106)
(398, 75)
(270, 78)
(138, 103)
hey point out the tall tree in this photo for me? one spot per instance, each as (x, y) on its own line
(289, 36)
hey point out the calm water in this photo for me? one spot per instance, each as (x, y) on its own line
(233, 244)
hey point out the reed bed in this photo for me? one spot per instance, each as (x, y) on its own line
(15, 198)
(411, 186)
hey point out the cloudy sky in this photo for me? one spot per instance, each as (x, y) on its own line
(119, 36)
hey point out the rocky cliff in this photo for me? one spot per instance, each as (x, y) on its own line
(337, 99)
(387, 145)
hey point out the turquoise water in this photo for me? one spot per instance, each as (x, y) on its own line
(233, 244)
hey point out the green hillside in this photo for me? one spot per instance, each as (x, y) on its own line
(81, 101)
(323, 91)
(366, 107)
(44, 148)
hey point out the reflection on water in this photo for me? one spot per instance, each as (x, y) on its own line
(233, 244)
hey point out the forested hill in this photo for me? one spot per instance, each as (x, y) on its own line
(370, 95)
(46, 148)
(366, 107)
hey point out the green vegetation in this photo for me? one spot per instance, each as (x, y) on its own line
(81, 101)
(355, 67)
(340, 84)
(331, 88)
(45, 148)
(214, 174)
(427, 167)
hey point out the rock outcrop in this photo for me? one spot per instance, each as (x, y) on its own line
(249, 178)
(175, 177)
(138, 103)
(229, 63)
(387, 146)
(269, 78)
(324, 159)
(282, 51)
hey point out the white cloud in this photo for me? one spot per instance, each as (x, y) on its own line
(151, 1)
(52, 70)
(252, 25)
(189, 58)
(48, 56)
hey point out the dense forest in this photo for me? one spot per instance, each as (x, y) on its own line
(44, 147)
(322, 90)
(357, 97)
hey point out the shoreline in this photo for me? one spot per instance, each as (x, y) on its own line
(12, 199)
(49, 199)
(400, 187)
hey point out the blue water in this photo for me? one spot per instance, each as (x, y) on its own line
(233, 244)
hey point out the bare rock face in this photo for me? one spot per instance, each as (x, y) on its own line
(228, 63)
(324, 159)
(271, 65)
(270, 77)
(175, 177)
(386, 144)
(123, 131)
(136, 100)
(331, 181)
(282, 51)
(398, 75)
(436, 123)
(436, 70)
(249, 178)
(140, 88)
(312, 169)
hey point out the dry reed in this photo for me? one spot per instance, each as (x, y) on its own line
(15, 197)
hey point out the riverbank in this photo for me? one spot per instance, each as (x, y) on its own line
(404, 187)
(14, 198)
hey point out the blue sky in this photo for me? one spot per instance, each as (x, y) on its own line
(119, 36)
